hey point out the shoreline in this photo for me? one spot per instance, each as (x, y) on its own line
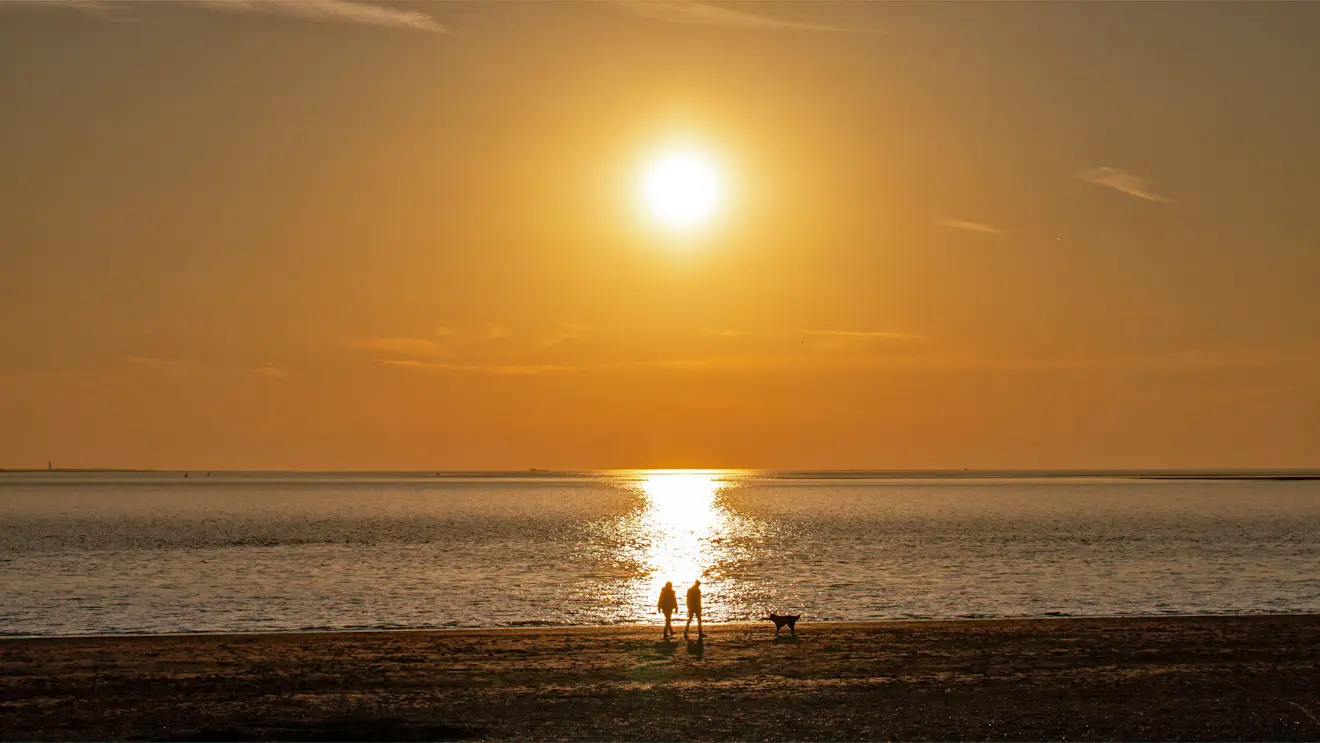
(1215, 677)
(845, 624)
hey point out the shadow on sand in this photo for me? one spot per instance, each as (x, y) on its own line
(696, 647)
(666, 647)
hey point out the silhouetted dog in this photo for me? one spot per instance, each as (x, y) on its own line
(781, 621)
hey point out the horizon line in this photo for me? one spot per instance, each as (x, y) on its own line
(752, 471)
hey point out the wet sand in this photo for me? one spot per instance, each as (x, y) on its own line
(1197, 678)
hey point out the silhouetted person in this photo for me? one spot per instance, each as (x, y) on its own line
(694, 609)
(668, 605)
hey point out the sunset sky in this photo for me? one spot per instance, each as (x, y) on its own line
(410, 235)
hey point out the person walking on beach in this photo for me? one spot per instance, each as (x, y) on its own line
(694, 609)
(668, 605)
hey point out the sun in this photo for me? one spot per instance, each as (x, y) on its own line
(682, 188)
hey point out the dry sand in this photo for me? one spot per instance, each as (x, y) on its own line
(1203, 678)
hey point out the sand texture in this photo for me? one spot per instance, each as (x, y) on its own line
(1200, 678)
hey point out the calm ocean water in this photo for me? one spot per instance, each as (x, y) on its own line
(155, 552)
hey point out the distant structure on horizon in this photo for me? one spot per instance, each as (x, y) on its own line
(50, 466)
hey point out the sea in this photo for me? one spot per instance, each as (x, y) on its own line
(114, 553)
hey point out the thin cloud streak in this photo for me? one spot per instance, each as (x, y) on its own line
(103, 9)
(184, 367)
(271, 370)
(962, 224)
(336, 11)
(887, 335)
(499, 369)
(566, 347)
(830, 350)
(697, 13)
(689, 12)
(348, 11)
(414, 347)
(877, 334)
(153, 361)
(1122, 181)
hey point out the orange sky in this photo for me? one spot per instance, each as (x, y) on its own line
(356, 235)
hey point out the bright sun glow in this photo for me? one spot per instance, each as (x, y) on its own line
(682, 188)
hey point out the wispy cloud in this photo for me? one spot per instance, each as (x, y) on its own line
(856, 342)
(270, 370)
(962, 224)
(497, 332)
(349, 11)
(566, 347)
(340, 11)
(201, 368)
(503, 369)
(149, 361)
(105, 9)
(871, 334)
(418, 348)
(1121, 181)
(564, 332)
(704, 14)
(491, 350)
(887, 335)
(1183, 360)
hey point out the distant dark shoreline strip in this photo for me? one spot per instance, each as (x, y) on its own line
(1275, 478)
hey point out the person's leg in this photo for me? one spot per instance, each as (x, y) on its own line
(688, 626)
(699, 632)
(669, 619)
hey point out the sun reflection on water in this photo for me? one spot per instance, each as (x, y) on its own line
(680, 535)
(682, 526)
(680, 519)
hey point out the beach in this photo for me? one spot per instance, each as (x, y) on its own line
(1166, 678)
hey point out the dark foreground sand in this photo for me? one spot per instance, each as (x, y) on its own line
(1225, 678)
